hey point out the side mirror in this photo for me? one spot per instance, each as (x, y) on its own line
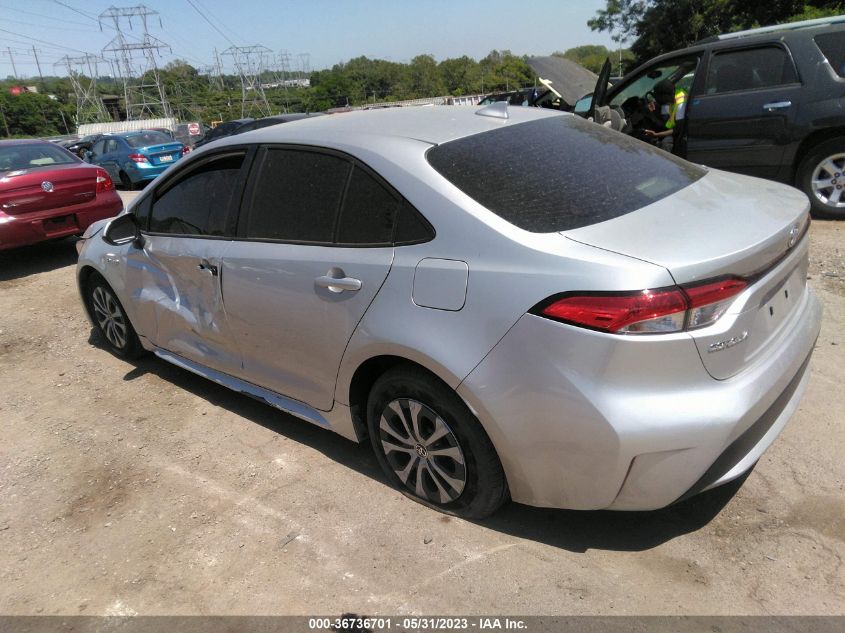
(123, 229)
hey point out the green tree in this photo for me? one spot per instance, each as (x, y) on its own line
(659, 26)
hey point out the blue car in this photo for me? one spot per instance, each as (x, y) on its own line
(132, 158)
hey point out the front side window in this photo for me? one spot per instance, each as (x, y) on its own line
(199, 203)
(750, 69)
(832, 46)
(679, 72)
(297, 195)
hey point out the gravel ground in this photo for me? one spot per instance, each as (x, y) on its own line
(138, 488)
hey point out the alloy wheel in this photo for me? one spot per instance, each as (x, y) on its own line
(828, 181)
(109, 317)
(422, 451)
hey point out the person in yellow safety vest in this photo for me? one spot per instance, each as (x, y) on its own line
(673, 102)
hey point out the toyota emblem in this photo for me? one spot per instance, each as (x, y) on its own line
(47, 186)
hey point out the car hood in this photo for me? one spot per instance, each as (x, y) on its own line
(722, 224)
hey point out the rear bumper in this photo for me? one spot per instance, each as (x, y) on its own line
(141, 172)
(587, 420)
(39, 226)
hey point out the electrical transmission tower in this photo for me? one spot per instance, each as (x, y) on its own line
(89, 105)
(145, 95)
(214, 73)
(249, 63)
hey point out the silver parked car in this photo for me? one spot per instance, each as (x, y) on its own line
(507, 303)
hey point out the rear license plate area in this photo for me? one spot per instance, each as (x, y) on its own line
(60, 224)
(167, 158)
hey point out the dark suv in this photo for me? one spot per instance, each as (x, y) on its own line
(768, 102)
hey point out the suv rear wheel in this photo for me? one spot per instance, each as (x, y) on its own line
(821, 176)
(432, 447)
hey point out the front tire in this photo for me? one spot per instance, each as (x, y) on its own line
(110, 319)
(821, 175)
(431, 447)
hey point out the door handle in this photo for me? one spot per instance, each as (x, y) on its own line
(208, 267)
(335, 284)
(776, 105)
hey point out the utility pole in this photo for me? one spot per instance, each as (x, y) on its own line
(38, 64)
(249, 62)
(12, 59)
(146, 97)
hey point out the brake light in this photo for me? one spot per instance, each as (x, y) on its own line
(138, 158)
(661, 310)
(104, 182)
(186, 149)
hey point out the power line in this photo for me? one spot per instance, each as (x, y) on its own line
(41, 15)
(222, 22)
(210, 23)
(35, 39)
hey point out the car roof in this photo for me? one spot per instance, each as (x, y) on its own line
(431, 124)
(25, 141)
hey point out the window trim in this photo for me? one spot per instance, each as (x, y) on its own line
(715, 52)
(248, 199)
(186, 172)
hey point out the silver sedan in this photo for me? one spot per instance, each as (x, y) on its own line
(506, 303)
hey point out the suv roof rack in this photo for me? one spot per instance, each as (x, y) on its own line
(789, 26)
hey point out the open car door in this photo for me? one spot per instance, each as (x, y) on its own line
(600, 92)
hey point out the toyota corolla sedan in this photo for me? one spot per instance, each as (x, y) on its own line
(133, 158)
(505, 303)
(48, 193)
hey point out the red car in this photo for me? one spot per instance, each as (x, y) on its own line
(46, 193)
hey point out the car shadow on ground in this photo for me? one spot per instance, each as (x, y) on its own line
(575, 531)
(39, 258)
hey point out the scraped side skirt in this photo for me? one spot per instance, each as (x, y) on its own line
(294, 407)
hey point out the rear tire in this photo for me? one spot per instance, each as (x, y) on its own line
(126, 182)
(110, 319)
(821, 175)
(431, 447)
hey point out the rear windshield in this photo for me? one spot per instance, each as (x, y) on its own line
(148, 138)
(832, 45)
(560, 173)
(30, 155)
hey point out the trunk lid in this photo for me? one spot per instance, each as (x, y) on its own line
(724, 224)
(163, 154)
(42, 189)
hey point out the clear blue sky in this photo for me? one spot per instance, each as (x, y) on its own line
(328, 30)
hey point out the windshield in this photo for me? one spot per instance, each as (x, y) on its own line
(560, 173)
(29, 156)
(147, 138)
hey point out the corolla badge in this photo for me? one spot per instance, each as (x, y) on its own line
(722, 345)
(793, 236)
(47, 186)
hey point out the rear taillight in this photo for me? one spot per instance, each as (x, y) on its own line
(138, 158)
(186, 149)
(672, 309)
(104, 181)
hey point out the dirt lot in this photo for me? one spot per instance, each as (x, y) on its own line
(139, 488)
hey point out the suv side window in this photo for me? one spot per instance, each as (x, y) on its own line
(297, 195)
(749, 69)
(199, 203)
(832, 46)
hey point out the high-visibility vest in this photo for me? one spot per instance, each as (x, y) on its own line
(680, 97)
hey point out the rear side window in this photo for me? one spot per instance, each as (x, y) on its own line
(832, 46)
(369, 211)
(560, 173)
(750, 69)
(297, 195)
(199, 203)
